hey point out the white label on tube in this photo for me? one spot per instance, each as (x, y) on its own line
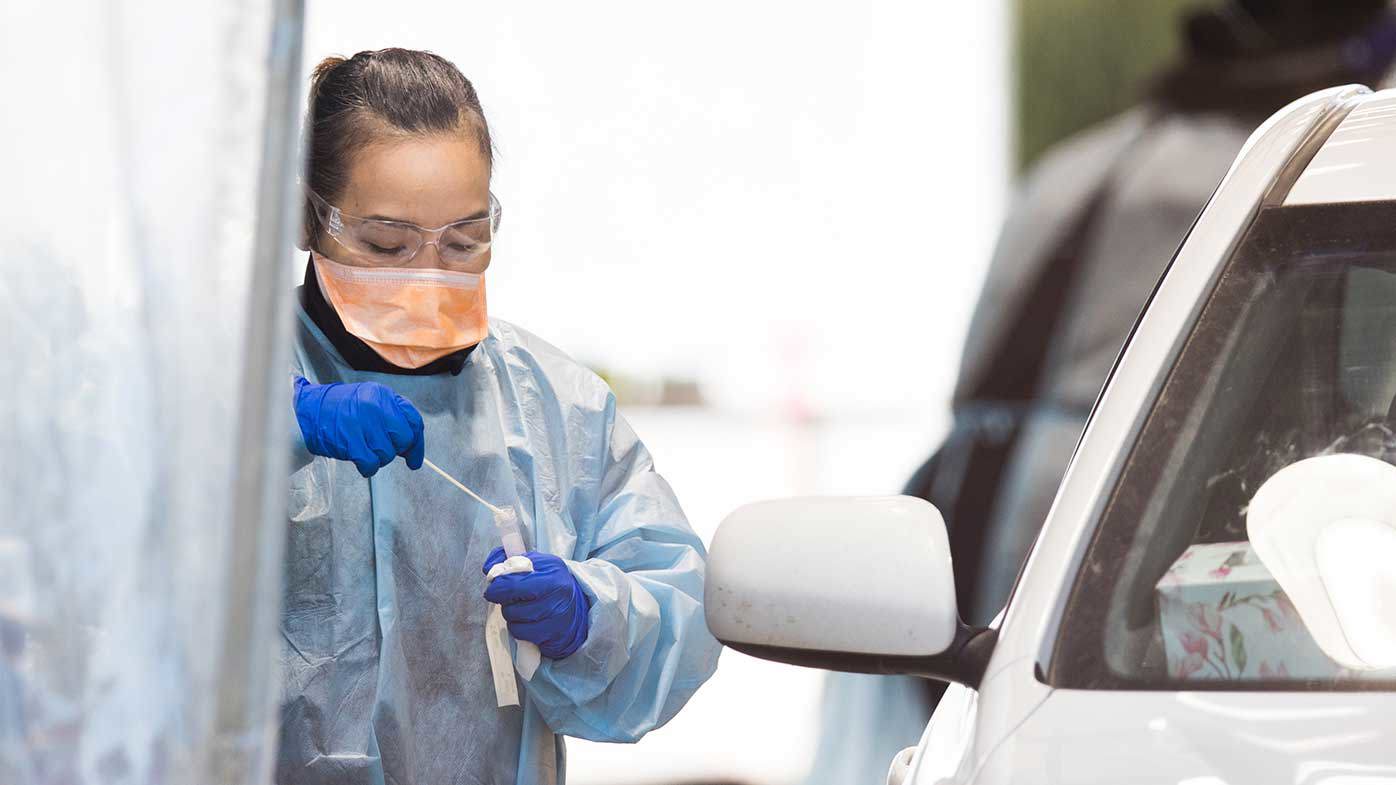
(506, 689)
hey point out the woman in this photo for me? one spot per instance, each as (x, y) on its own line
(386, 670)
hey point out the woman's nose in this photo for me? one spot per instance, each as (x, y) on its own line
(428, 256)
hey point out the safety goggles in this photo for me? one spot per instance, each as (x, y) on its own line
(382, 243)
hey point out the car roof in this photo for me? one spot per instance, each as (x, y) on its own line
(1357, 162)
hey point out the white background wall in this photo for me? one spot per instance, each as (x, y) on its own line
(793, 203)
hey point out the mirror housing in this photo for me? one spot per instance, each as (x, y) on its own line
(857, 584)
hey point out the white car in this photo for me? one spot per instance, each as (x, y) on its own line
(1270, 340)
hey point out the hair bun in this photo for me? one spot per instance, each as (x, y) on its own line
(322, 72)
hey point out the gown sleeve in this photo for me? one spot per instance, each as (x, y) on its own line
(300, 455)
(649, 648)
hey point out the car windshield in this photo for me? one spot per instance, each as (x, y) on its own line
(1292, 357)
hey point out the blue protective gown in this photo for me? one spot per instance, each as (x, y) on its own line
(385, 672)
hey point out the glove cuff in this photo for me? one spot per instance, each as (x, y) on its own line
(577, 632)
(308, 398)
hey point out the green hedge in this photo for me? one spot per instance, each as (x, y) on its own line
(1080, 61)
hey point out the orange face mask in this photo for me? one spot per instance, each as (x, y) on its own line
(409, 316)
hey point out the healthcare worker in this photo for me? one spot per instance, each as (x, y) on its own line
(385, 668)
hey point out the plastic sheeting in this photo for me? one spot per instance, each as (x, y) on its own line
(147, 151)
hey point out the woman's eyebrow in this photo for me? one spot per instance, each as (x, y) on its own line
(472, 217)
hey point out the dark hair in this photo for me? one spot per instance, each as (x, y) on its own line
(375, 94)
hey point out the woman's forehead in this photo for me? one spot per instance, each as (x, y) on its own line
(429, 181)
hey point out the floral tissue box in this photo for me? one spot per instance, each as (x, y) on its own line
(1224, 618)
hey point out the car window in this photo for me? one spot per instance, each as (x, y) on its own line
(1292, 357)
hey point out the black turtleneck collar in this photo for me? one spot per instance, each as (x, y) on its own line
(358, 354)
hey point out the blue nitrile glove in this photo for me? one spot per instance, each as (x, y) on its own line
(363, 422)
(546, 606)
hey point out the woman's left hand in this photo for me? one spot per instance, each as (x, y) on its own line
(546, 606)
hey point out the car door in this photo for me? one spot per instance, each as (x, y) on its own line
(1270, 340)
(1183, 651)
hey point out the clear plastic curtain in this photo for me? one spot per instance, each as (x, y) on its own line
(147, 151)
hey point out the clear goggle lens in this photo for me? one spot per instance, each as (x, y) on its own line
(393, 243)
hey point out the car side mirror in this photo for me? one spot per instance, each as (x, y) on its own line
(859, 584)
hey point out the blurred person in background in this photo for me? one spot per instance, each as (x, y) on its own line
(385, 669)
(1093, 227)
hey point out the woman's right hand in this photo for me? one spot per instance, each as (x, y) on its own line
(365, 423)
